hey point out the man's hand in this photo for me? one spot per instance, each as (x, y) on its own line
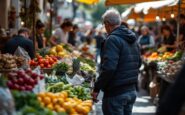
(94, 96)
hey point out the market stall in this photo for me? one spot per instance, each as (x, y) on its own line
(163, 68)
(57, 82)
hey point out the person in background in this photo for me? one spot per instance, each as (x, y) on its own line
(145, 40)
(22, 40)
(40, 39)
(73, 35)
(181, 39)
(168, 38)
(120, 62)
(61, 34)
(99, 40)
(174, 98)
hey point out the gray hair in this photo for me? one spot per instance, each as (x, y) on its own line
(112, 16)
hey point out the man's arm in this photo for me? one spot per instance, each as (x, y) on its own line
(109, 65)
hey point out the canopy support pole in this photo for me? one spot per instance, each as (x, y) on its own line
(178, 19)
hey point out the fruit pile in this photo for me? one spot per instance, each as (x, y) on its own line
(155, 56)
(44, 62)
(60, 102)
(59, 51)
(8, 61)
(23, 80)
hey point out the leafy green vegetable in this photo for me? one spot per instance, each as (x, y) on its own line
(61, 68)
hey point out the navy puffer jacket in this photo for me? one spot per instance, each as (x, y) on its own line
(120, 63)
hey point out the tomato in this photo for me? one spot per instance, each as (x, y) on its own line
(49, 66)
(55, 59)
(46, 62)
(51, 61)
(39, 57)
(42, 65)
(41, 61)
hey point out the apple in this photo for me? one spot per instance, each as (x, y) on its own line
(34, 75)
(29, 71)
(28, 87)
(35, 81)
(22, 88)
(20, 81)
(20, 72)
(26, 78)
(10, 84)
(31, 81)
(12, 75)
(16, 86)
(41, 77)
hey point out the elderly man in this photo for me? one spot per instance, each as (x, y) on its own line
(119, 67)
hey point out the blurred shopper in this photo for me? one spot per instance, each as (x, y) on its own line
(99, 40)
(146, 40)
(61, 34)
(172, 102)
(40, 39)
(168, 38)
(119, 67)
(22, 40)
(181, 39)
(73, 35)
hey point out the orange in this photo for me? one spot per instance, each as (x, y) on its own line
(70, 100)
(72, 111)
(54, 100)
(88, 101)
(61, 110)
(87, 104)
(39, 99)
(49, 94)
(41, 95)
(65, 94)
(86, 109)
(47, 100)
(60, 101)
(79, 109)
(67, 105)
(50, 106)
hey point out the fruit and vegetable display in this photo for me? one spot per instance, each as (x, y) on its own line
(44, 62)
(170, 68)
(66, 89)
(73, 91)
(8, 61)
(155, 56)
(23, 80)
(27, 103)
(60, 102)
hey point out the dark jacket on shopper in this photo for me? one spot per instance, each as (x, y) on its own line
(174, 99)
(25, 43)
(120, 63)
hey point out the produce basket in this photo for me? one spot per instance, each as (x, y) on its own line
(47, 70)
